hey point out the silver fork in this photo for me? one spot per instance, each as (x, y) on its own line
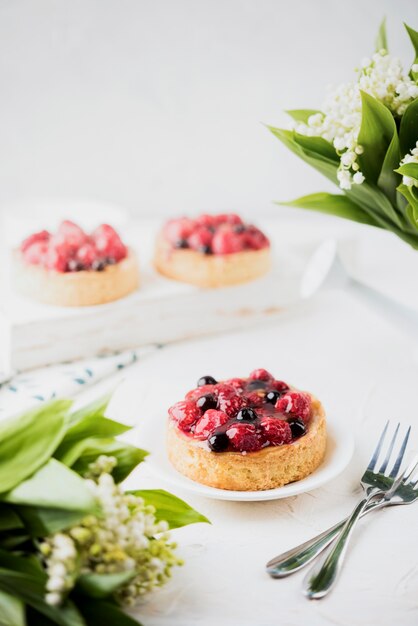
(321, 579)
(296, 558)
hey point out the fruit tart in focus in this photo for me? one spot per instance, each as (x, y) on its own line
(246, 434)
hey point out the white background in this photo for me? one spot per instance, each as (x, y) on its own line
(157, 105)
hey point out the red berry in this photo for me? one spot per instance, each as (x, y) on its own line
(87, 254)
(226, 241)
(255, 399)
(195, 394)
(185, 414)
(209, 421)
(108, 243)
(281, 386)
(35, 253)
(276, 431)
(206, 220)
(200, 239)
(261, 374)
(229, 400)
(179, 229)
(295, 404)
(255, 239)
(42, 236)
(228, 218)
(70, 234)
(237, 383)
(244, 437)
(56, 258)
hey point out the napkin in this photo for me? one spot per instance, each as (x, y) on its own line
(27, 389)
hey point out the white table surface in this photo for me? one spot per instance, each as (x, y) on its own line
(344, 352)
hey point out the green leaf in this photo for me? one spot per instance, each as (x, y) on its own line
(409, 169)
(28, 441)
(408, 131)
(97, 408)
(127, 456)
(381, 39)
(8, 518)
(302, 115)
(376, 132)
(170, 508)
(338, 205)
(54, 486)
(101, 586)
(413, 35)
(102, 613)
(41, 521)
(12, 610)
(327, 166)
(388, 178)
(30, 589)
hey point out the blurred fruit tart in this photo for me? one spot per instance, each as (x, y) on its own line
(212, 251)
(246, 434)
(73, 268)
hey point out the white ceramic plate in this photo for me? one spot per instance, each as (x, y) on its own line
(339, 451)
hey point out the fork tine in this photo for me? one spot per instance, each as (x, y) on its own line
(376, 453)
(404, 477)
(398, 461)
(384, 465)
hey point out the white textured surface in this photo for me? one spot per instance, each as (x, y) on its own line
(159, 105)
(351, 359)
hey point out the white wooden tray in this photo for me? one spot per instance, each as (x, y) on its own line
(32, 335)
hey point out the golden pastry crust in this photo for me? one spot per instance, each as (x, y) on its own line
(214, 270)
(83, 288)
(268, 468)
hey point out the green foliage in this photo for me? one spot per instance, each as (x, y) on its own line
(170, 508)
(43, 455)
(382, 200)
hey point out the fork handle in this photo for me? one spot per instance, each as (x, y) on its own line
(296, 558)
(320, 580)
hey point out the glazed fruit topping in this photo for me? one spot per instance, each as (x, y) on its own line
(219, 442)
(276, 431)
(273, 396)
(295, 404)
(207, 402)
(246, 415)
(210, 421)
(70, 249)
(214, 234)
(298, 427)
(245, 437)
(234, 416)
(206, 380)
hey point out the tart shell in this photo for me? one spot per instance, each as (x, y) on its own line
(84, 288)
(214, 270)
(268, 468)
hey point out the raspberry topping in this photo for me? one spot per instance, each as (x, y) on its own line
(244, 437)
(214, 234)
(295, 404)
(243, 414)
(209, 421)
(261, 374)
(185, 414)
(70, 249)
(276, 431)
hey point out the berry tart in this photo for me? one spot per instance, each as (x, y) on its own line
(246, 434)
(73, 268)
(212, 251)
